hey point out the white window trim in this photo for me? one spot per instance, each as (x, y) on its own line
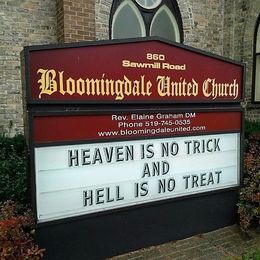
(136, 11)
(173, 20)
(144, 4)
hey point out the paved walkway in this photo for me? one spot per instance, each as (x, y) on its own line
(225, 243)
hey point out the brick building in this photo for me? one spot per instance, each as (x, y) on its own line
(225, 27)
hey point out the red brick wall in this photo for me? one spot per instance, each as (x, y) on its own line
(76, 20)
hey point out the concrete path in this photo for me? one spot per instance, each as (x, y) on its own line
(225, 243)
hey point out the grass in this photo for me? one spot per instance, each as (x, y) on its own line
(252, 255)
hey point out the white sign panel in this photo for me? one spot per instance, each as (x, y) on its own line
(74, 180)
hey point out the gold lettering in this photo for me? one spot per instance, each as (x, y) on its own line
(136, 88)
(48, 83)
(110, 87)
(143, 90)
(70, 84)
(119, 88)
(162, 87)
(205, 88)
(80, 86)
(128, 86)
(192, 88)
(148, 88)
(102, 85)
(92, 87)
(61, 82)
(235, 89)
(166, 87)
(215, 90)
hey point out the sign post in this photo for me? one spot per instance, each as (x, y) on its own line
(123, 129)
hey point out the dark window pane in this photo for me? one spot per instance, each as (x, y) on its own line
(165, 25)
(127, 22)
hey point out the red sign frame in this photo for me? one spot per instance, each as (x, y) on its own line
(139, 71)
(119, 126)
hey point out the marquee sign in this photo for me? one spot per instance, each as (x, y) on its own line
(141, 72)
(96, 177)
(99, 165)
(137, 147)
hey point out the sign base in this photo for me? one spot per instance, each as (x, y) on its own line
(97, 237)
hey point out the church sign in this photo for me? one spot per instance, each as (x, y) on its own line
(139, 72)
(125, 131)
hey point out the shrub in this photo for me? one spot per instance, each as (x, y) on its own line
(252, 255)
(15, 239)
(249, 202)
(13, 161)
(251, 128)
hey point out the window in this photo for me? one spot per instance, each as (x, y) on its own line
(165, 25)
(149, 4)
(127, 21)
(140, 18)
(256, 74)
